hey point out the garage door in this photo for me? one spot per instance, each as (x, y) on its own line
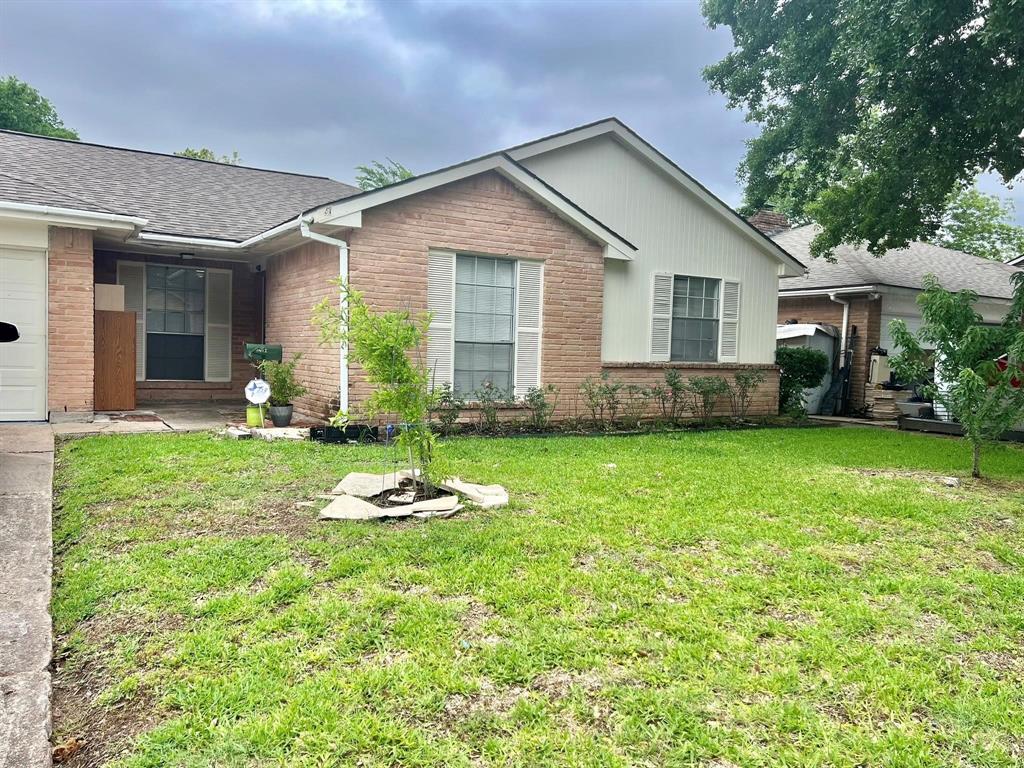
(23, 362)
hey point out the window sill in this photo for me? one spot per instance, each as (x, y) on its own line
(694, 366)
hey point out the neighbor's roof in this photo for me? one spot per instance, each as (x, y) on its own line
(177, 195)
(905, 268)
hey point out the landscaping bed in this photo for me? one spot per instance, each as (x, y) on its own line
(734, 598)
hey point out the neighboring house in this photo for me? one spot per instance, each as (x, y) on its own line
(546, 263)
(870, 291)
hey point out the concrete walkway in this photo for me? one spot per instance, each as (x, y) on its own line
(26, 554)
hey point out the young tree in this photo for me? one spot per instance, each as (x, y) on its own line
(873, 111)
(986, 399)
(204, 153)
(23, 109)
(378, 174)
(981, 225)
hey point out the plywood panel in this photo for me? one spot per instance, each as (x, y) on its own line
(115, 361)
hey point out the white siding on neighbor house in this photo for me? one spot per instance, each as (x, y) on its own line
(902, 304)
(674, 231)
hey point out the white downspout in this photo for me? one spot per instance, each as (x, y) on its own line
(342, 245)
(846, 324)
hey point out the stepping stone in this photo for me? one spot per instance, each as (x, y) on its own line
(366, 484)
(486, 496)
(350, 508)
(440, 504)
(438, 513)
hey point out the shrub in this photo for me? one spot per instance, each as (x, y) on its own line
(670, 397)
(284, 387)
(602, 397)
(634, 406)
(448, 405)
(801, 368)
(742, 391)
(542, 402)
(704, 394)
(489, 399)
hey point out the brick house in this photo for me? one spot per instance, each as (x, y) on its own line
(545, 263)
(860, 294)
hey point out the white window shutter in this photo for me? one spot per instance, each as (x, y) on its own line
(133, 277)
(661, 316)
(729, 334)
(441, 304)
(529, 313)
(218, 325)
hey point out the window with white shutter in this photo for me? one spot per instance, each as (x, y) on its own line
(529, 314)
(729, 349)
(485, 309)
(218, 325)
(132, 276)
(661, 316)
(440, 303)
(695, 319)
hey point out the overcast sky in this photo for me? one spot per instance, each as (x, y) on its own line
(319, 86)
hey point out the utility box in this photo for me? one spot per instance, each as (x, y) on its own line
(879, 372)
(258, 353)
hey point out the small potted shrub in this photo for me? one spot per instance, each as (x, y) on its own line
(283, 389)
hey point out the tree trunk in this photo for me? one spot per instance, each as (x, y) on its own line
(976, 466)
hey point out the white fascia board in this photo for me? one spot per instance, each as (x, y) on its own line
(800, 292)
(792, 267)
(71, 217)
(342, 212)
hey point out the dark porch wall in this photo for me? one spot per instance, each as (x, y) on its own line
(246, 325)
(865, 313)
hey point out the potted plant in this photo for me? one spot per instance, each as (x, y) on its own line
(284, 388)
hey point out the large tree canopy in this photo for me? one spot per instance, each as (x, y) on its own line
(23, 109)
(981, 225)
(205, 153)
(378, 174)
(873, 111)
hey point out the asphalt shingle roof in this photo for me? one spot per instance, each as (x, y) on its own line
(905, 268)
(178, 196)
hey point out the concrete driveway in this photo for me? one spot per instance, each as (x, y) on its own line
(26, 554)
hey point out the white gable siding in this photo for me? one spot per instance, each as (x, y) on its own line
(674, 231)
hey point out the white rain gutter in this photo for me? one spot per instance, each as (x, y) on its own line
(228, 245)
(69, 215)
(342, 246)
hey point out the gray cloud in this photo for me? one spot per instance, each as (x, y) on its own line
(319, 86)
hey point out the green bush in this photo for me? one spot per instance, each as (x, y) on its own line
(672, 396)
(284, 387)
(800, 369)
(704, 394)
(448, 406)
(542, 402)
(742, 391)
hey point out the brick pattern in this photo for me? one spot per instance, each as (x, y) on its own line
(296, 281)
(246, 325)
(487, 215)
(70, 317)
(764, 401)
(865, 314)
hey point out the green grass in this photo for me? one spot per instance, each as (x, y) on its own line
(756, 598)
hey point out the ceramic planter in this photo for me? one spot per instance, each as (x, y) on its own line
(281, 415)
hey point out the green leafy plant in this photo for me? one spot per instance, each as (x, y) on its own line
(602, 398)
(378, 174)
(986, 399)
(448, 405)
(634, 405)
(671, 397)
(284, 386)
(741, 392)
(542, 402)
(705, 392)
(800, 368)
(489, 399)
(388, 347)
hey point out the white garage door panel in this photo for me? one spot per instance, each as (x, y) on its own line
(23, 362)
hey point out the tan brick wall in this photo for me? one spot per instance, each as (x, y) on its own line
(296, 281)
(246, 325)
(487, 215)
(70, 310)
(764, 401)
(865, 313)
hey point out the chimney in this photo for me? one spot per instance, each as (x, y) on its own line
(769, 221)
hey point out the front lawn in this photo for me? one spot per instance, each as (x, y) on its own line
(772, 597)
